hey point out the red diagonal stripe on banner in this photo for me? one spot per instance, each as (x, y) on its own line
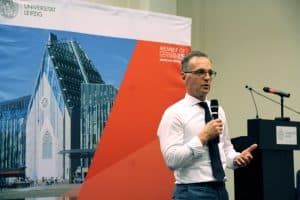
(141, 175)
(149, 86)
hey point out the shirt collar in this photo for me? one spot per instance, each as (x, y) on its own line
(192, 100)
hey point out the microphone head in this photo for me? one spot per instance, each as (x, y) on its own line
(266, 89)
(278, 92)
(214, 107)
(214, 102)
(249, 88)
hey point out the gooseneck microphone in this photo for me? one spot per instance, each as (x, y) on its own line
(253, 99)
(278, 92)
(281, 94)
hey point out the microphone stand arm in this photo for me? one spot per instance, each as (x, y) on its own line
(251, 92)
(281, 106)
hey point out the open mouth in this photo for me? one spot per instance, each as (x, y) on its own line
(206, 86)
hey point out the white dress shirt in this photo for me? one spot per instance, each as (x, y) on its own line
(181, 147)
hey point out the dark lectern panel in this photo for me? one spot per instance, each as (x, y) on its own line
(270, 176)
(264, 133)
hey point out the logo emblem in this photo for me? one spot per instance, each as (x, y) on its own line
(8, 8)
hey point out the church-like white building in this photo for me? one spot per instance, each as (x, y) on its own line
(59, 133)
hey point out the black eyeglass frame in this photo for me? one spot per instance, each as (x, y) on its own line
(203, 72)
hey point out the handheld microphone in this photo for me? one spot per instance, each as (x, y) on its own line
(214, 107)
(278, 92)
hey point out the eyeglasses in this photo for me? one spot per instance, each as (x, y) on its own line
(203, 72)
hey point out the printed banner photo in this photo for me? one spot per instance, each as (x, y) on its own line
(82, 90)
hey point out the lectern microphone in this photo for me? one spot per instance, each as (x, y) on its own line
(253, 99)
(278, 92)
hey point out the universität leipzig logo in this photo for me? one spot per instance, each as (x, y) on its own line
(8, 8)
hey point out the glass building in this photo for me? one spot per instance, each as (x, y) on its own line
(12, 134)
(60, 120)
(96, 103)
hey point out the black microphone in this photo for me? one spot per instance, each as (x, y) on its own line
(214, 107)
(278, 92)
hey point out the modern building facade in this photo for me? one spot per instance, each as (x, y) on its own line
(96, 103)
(13, 115)
(60, 120)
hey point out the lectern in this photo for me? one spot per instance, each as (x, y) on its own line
(270, 176)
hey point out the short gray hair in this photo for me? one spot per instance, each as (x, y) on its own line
(186, 59)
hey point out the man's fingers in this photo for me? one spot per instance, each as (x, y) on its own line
(245, 157)
(241, 161)
(252, 147)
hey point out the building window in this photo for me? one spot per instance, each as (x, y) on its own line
(47, 146)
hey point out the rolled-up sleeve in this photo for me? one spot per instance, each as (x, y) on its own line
(176, 152)
(228, 149)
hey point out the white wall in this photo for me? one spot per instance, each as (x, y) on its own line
(165, 6)
(255, 43)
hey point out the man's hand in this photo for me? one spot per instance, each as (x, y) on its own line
(245, 157)
(211, 130)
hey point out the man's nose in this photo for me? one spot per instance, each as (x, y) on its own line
(207, 76)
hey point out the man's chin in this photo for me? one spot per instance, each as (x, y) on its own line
(201, 96)
(204, 92)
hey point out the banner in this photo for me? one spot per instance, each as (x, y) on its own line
(83, 87)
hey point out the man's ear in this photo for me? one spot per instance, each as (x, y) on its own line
(183, 76)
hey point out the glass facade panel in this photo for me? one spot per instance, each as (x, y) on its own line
(97, 101)
(12, 132)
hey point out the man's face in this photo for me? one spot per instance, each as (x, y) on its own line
(198, 85)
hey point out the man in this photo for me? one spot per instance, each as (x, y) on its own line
(196, 147)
